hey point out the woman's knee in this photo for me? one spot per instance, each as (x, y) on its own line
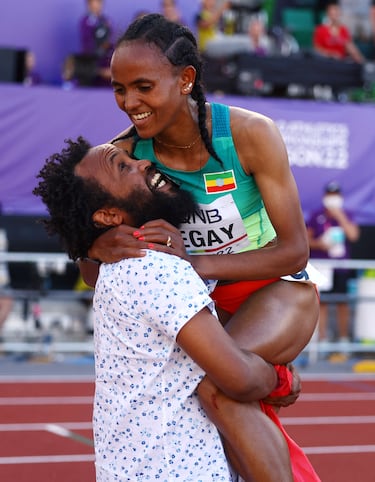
(277, 321)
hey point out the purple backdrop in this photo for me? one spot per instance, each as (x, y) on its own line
(50, 27)
(325, 141)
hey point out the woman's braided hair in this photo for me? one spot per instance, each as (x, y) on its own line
(179, 46)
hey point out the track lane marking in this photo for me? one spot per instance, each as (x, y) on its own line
(47, 400)
(64, 432)
(83, 400)
(47, 459)
(340, 449)
(336, 397)
(29, 427)
(337, 420)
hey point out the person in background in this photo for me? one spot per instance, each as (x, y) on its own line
(333, 39)
(32, 76)
(6, 302)
(170, 11)
(208, 21)
(260, 43)
(372, 20)
(331, 229)
(96, 34)
(156, 334)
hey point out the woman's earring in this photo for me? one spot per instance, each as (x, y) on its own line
(188, 87)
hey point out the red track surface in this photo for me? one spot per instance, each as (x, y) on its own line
(46, 429)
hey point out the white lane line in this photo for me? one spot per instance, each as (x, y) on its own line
(322, 450)
(340, 449)
(47, 459)
(331, 420)
(29, 427)
(336, 397)
(14, 379)
(339, 420)
(46, 400)
(335, 377)
(64, 432)
(82, 400)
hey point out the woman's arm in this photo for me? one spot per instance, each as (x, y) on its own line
(263, 154)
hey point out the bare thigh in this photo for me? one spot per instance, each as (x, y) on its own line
(277, 321)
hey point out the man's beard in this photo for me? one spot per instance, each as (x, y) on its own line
(174, 206)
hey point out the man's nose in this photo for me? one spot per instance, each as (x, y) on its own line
(143, 164)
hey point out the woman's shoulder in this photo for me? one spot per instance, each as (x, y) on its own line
(244, 120)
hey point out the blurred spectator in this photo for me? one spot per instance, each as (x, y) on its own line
(170, 11)
(260, 42)
(208, 21)
(333, 39)
(331, 229)
(6, 302)
(32, 76)
(96, 39)
(139, 14)
(372, 18)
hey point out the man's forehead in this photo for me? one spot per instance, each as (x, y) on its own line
(103, 148)
(93, 159)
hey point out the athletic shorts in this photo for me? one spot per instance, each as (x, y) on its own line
(230, 296)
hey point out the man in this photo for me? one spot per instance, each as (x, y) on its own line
(155, 333)
(147, 418)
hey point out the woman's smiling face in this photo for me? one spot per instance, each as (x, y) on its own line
(146, 87)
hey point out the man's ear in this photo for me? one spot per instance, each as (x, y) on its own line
(108, 217)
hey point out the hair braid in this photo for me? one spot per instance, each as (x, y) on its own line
(131, 133)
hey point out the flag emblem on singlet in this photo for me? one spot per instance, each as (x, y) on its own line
(220, 181)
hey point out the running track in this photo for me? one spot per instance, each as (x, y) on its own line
(46, 436)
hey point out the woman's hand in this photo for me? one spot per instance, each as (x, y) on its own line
(288, 390)
(162, 236)
(117, 243)
(128, 242)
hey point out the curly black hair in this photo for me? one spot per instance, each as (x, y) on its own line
(70, 199)
(179, 46)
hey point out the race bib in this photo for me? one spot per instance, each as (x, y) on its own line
(215, 228)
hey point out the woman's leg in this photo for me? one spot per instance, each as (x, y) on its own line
(275, 322)
(253, 444)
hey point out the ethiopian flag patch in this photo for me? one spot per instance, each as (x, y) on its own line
(220, 182)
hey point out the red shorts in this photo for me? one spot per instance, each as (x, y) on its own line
(230, 296)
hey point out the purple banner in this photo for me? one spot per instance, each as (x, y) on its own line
(49, 28)
(325, 141)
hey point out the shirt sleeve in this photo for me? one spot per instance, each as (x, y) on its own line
(164, 290)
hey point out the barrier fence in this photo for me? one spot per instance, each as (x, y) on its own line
(58, 333)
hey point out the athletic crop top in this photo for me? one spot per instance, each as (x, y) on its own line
(231, 216)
